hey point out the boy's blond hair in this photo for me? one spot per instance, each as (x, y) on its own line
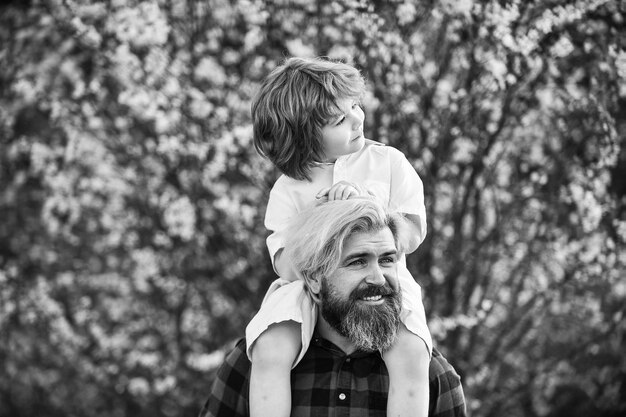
(295, 101)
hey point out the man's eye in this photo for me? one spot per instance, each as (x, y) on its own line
(357, 262)
(388, 260)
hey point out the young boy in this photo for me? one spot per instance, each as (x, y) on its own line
(308, 122)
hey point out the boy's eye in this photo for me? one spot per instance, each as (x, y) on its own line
(342, 118)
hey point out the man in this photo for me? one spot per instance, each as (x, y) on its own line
(346, 253)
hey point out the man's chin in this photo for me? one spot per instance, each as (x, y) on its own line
(372, 326)
(369, 318)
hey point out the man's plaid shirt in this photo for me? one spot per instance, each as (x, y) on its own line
(327, 382)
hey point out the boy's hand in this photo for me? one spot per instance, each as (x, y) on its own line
(342, 190)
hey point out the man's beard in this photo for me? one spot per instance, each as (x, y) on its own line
(369, 327)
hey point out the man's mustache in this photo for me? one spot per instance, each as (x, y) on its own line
(372, 291)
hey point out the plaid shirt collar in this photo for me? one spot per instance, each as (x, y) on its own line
(327, 382)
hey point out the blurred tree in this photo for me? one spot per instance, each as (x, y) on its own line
(132, 248)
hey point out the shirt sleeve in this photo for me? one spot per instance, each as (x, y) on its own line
(280, 209)
(229, 394)
(446, 392)
(407, 189)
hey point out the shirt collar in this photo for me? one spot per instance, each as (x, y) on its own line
(334, 349)
(343, 158)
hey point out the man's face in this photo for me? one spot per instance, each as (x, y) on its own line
(361, 298)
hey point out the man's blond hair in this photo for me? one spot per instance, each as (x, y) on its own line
(316, 237)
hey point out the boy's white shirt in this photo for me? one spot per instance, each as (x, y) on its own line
(381, 169)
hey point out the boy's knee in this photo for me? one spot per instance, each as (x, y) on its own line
(408, 352)
(277, 346)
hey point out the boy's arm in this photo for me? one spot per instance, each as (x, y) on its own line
(283, 267)
(416, 231)
(280, 209)
(407, 197)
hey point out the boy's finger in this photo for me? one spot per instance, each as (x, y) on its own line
(336, 192)
(355, 193)
(322, 192)
(331, 193)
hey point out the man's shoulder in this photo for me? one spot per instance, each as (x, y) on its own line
(229, 393)
(237, 356)
(234, 372)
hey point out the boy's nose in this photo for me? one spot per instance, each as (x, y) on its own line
(357, 119)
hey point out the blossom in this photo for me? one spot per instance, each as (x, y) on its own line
(458, 7)
(254, 37)
(156, 65)
(180, 218)
(208, 69)
(127, 65)
(297, 47)
(146, 267)
(205, 362)
(143, 103)
(26, 89)
(620, 64)
(406, 13)
(139, 386)
(562, 48)
(142, 26)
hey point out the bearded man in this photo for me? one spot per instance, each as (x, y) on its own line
(346, 253)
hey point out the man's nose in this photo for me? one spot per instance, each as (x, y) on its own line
(375, 276)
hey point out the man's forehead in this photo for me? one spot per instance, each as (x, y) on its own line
(377, 241)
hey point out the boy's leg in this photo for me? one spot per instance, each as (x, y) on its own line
(408, 362)
(446, 393)
(273, 355)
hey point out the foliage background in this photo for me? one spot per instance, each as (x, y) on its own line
(131, 200)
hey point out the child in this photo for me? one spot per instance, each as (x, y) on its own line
(308, 122)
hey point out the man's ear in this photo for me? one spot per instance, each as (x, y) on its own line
(313, 284)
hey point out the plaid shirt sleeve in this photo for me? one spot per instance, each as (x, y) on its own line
(446, 393)
(229, 394)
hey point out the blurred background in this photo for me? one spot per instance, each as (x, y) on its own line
(132, 248)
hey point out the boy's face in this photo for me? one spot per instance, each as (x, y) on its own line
(343, 135)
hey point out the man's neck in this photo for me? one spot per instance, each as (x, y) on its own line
(327, 332)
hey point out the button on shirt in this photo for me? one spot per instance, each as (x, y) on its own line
(327, 382)
(343, 385)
